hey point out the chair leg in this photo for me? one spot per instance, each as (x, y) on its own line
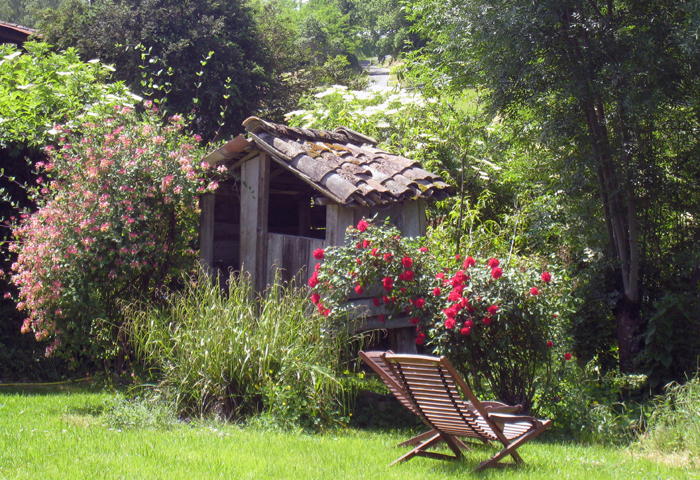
(437, 438)
(418, 438)
(510, 449)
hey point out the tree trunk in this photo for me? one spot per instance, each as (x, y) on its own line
(628, 330)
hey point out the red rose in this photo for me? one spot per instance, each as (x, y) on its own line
(326, 312)
(414, 321)
(317, 267)
(402, 276)
(450, 323)
(493, 263)
(402, 289)
(313, 281)
(408, 276)
(420, 338)
(486, 320)
(456, 257)
(546, 277)
(450, 312)
(362, 226)
(359, 290)
(459, 289)
(318, 254)
(437, 291)
(465, 331)
(386, 300)
(419, 303)
(388, 257)
(549, 344)
(374, 252)
(440, 275)
(459, 278)
(534, 291)
(388, 283)
(407, 262)
(315, 298)
(555, 315)
(423, 249)
(359, 261)
(497, 273)
(469, 323)
(365, 243)
(464, 302)
(469, 262)
(376, 302)
(567, 356)
(492, 309)
(454, 296)
(381, 318)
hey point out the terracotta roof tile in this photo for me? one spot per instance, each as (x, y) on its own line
(345, 165)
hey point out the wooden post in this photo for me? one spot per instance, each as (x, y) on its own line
(338, 219)
(403, 340)
(206, 230)
(255, 191)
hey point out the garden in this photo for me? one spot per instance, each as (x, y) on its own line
(563, 276)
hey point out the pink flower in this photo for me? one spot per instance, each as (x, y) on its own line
(420, 338)
(358, 289)
(567, 356)
(546, 277)
(486, 320)
(318, 254)
(493, 263)
(549, 344)
(423, 249)
(437, 291)
(534, 291)
(469, 262)
(362, 226)
(387, 283)
(465, 331)
(450, 323)
(419, 303)
(315, 298)
(407, 262)
(414, 321)
(497, 273)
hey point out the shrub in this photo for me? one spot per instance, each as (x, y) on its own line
(116, 220)
(492, 321)
(234, 353)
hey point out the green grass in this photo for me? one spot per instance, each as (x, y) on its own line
(61, 434)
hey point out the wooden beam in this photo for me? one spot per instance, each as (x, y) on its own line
(254, 211)
(338, 219)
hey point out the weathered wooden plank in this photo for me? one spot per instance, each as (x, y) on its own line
(338, 219)
(292, 256)
(254, 209)
(411, 219)
(206, 229)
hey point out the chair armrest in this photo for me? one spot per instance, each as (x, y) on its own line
(501, 407)
(510, 418)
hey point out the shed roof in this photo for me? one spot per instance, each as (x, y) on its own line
(343, 165)
(12, 33)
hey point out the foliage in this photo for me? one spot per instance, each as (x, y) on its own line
(494, 323)
(23, 12)
(674, 424)
(384, 28)
(122, 412)
(235, 353)
(177, 36)
(603, 90)
(116, 218)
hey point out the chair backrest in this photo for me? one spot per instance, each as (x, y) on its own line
(433, 386)
(374, 360)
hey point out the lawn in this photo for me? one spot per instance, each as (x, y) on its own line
(60, 434)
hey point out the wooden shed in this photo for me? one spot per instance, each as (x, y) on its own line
(293, 190)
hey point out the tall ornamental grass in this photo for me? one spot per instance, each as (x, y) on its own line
(674, 425)
(233, 352)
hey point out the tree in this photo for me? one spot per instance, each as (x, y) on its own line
(384, 28)
(611, 85)
(176, 37)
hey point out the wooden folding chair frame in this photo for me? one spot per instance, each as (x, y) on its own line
(434, 398)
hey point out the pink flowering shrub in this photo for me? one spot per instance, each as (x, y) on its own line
(116, 221)
(492, 320)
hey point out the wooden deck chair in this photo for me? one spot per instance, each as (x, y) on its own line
(433, 386)
(375, 362)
